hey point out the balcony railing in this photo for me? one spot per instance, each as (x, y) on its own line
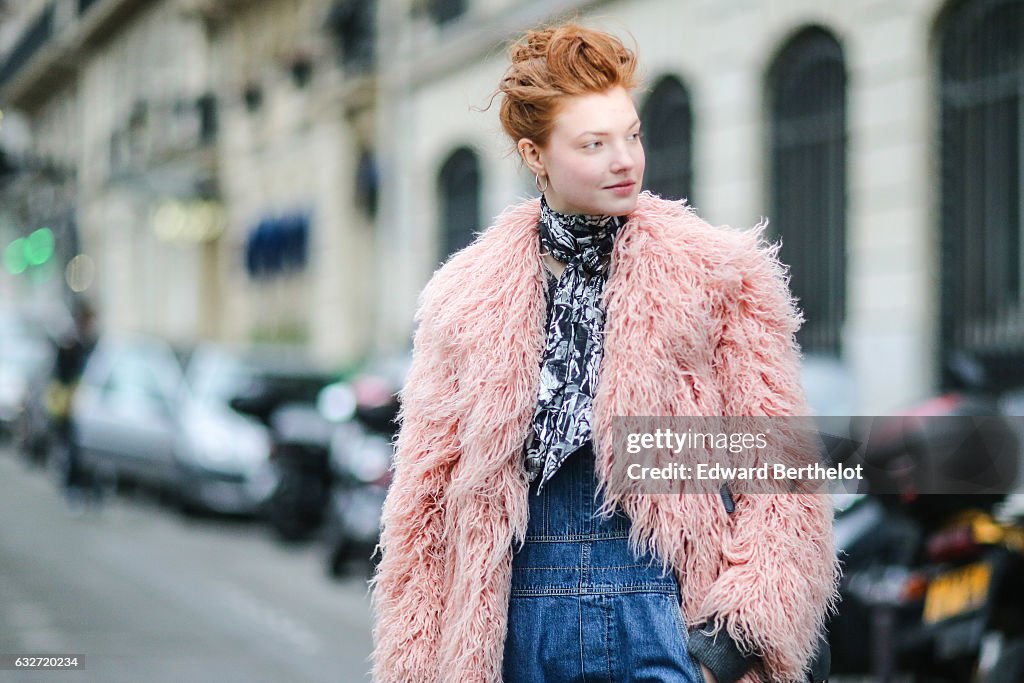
(159, 130)
(32, 40)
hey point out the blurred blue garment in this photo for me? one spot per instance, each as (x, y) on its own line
(583, 606)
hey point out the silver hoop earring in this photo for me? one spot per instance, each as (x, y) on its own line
(536, 181)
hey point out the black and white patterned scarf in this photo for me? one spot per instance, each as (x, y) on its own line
(572, 354)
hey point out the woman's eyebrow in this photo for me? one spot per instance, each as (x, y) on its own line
(602, 132)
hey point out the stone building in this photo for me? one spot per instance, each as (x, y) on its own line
(294, 79)
(38, 188)
(881, 139)
(115, 96)
(223, 159)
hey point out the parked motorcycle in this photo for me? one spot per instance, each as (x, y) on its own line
(931, 582)
(361, 456)
(299, 468)
(876, 544)
(300, 457)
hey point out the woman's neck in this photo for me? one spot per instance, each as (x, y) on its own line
(569, 214)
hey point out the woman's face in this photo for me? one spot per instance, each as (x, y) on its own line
(594, 160)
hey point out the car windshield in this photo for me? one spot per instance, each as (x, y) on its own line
(217, 376)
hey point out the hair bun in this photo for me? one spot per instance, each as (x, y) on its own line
(553, 62)
(534, 45)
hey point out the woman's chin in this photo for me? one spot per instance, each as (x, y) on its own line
(599, 206)
(620, 206)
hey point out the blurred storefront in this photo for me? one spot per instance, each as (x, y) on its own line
(38, 182)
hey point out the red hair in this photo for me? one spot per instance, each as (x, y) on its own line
(552, 63)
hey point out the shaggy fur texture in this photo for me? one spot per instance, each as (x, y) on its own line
(699, 322)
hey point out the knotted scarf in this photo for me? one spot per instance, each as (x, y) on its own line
(574, 348)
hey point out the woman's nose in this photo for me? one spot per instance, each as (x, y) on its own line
(623, 160)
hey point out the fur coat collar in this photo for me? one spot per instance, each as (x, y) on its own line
(699, 322)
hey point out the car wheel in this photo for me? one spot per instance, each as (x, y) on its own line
(187, 507)
(287, 511)
(339, 558)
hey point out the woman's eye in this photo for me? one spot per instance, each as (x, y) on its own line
(636, 136)
(592, 145)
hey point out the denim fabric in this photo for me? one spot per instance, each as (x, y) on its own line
(584, 607)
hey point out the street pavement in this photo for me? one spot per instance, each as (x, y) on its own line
(144, 594)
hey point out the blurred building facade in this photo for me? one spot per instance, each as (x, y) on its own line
(881, 139)
(297, 123)
(38, 161)
(113, 95)
(213, 152)
(331, 154)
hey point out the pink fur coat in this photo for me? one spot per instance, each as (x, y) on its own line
(699, 322)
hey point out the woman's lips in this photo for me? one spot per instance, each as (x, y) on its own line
(622, 189)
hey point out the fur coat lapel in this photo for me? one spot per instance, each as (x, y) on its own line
(659, 310)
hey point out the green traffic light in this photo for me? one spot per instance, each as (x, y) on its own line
(39, 247)
(14, 257)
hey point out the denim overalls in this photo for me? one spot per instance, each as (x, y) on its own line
(583, 606)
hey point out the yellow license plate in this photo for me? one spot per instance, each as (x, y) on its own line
(957, 592)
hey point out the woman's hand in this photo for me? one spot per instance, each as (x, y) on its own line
(708, 676)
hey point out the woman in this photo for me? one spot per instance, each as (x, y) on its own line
(505, 555)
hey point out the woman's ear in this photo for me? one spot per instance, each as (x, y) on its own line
(530, 154)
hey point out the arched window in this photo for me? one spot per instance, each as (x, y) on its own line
(668, 135)
(982, 107)
(458, 188)
(807, 146)
(353, 24)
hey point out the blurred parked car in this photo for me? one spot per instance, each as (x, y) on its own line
(137, 419)
(125, 412)
(32, 428)
(362, 452)
(223, 454)
(361, 457)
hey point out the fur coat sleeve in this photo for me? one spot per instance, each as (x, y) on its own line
(410, 587)
(778, 581)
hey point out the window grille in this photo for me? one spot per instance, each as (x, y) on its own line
(668, 134)
(459, 193)
(807, 148)
(982, 200)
